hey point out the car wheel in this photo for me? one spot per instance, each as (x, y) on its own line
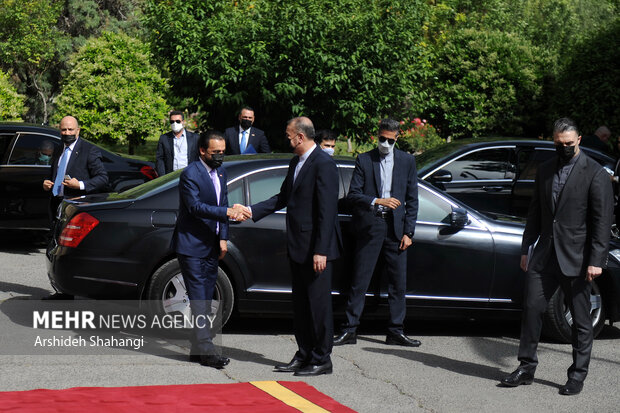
(167, 294)
(558, 321)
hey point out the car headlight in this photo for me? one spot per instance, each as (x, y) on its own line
(616, 254)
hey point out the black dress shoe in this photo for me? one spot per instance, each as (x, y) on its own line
(215, 361)
(517, 378)
(194, 358)
(401, 340)
(291, 367)
(315, 369)
(348, 337)
(58, 296)
(571, 387)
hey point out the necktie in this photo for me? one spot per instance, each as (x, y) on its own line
(216, 185)
(244, 143)
(60, 174)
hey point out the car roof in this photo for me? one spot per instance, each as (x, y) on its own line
(28, 127)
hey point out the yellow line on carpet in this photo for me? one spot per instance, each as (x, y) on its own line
(288, 397)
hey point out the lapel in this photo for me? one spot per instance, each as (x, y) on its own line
(304, 169)
(235, 146)
(376, 167)
(548, 187)
(207, 182)
(572, 179)
(396, 177)
(291, 174)
(77, 150)
(190, 147)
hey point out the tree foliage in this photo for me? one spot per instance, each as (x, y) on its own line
(11, 102)
(115, 92)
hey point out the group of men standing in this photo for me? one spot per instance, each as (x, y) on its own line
(565, 242)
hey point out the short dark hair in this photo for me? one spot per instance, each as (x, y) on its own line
(565, 125)
(176, 112)
(246, 107)
(390, 125)
(207, 136)
(303, 125)
(325, 135)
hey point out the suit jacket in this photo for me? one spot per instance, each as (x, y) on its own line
(85, 165)
(257, 139)
(579, 226)
(165, 151)
(312, 207)
(366, 185)
(195, 232)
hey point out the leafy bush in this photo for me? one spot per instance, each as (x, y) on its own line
(115, 91)
(11, 102)
(417, 135)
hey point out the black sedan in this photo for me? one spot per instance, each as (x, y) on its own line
(462, 263)
(492, 175)
(25, 151)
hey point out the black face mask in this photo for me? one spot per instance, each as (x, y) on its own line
(215, 161)
(68, 139)
(245, 123)
(565, 153)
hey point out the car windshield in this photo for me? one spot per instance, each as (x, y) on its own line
(147, 187)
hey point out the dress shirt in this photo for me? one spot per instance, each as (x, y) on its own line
(386, 168)
(247, 137)
(302, 160)
(180, 151)
(560, 177)
(62, 188)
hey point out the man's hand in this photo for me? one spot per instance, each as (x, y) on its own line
(47, 185)
(593, 272)
(223, 248)
(405, 242)
(72, 183)
(319, 262)
(391, 203)
(239, 213)
(523, 264)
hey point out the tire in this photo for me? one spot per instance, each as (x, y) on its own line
(166, 292)
(557, 321)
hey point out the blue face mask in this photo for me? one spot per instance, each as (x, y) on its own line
(329, 151)
(44, 158)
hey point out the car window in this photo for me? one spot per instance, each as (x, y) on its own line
(265, 184)
(529, 159)
(345, 181)
(33, 149)
(487, 164)
(235, 193)
(432, 208)
(5, 141)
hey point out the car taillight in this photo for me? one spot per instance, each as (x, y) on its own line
(149, 172)
(78, 227)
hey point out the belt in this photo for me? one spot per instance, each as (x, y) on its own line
(383, 214)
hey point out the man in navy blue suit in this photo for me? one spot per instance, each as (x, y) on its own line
(310, 194)
(384, 198)
(200, 239)
(245, 138)
(177, 148)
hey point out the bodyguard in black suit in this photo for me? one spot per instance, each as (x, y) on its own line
(244, 138)
(177, 148)
(384, 197)
(310, 194)
(570, 216)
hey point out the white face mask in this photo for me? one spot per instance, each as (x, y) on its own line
(329, 151)
(385, 148)
(176, 127)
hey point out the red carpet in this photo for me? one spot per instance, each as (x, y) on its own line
(254, 397)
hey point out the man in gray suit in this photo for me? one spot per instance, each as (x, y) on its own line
(570, 216)
(177, 148)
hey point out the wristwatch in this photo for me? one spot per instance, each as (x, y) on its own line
(410, 235)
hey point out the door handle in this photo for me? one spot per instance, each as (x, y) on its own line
(492, 188)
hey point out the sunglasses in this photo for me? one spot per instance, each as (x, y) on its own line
(175, 121)
(383, 139)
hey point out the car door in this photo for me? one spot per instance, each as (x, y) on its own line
(528, 160)
(24, 202)
(481, 178)
(448, 266)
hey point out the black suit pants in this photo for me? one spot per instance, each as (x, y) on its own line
(378, 240)
(539, 287)
(312, 313)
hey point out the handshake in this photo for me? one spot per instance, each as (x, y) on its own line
(239, 213)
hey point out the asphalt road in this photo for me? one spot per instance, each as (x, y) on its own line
(456, 369)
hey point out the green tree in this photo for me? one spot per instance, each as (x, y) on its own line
(11, 102)
(115, 92)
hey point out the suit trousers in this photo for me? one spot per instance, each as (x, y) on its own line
(539, 288)
(379, 240)
(312, 312)
(200, 275)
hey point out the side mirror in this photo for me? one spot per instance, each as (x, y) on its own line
(459, 218)
(442, 176)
